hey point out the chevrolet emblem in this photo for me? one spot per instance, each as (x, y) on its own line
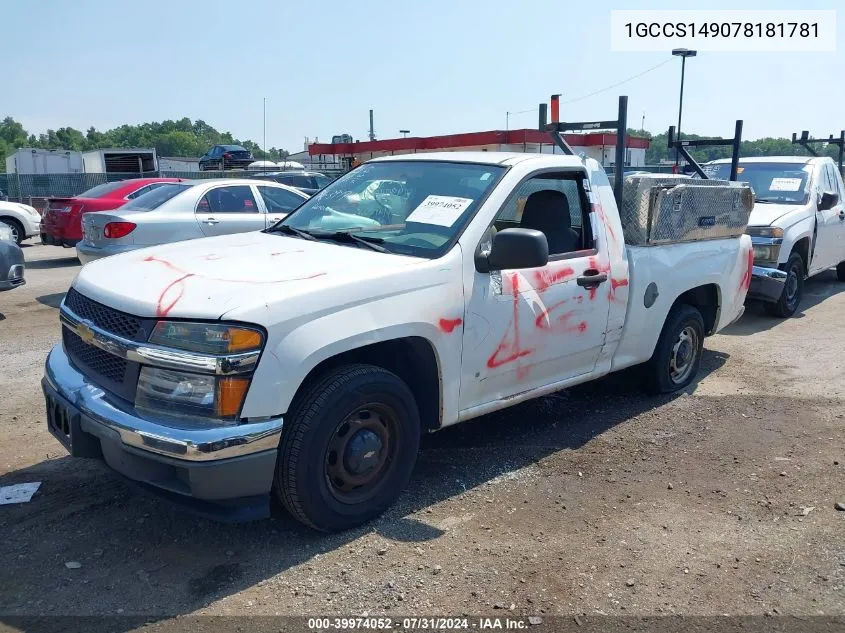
(84, 332)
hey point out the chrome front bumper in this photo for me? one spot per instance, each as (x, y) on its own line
(101, 416)
(766, 283)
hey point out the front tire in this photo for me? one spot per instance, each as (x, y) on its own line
(677, 356)
(840, 271)
(793, 289)
(18, 233)
(348, 449)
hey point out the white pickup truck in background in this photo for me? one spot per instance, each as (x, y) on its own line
(307, 359)
(797, 225)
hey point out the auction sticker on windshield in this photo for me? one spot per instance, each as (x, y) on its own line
(785, 184)
(440, 210)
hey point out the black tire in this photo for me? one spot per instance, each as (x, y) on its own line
(840, 271)
(18, 232)
(793, 289)
(311, 466)
(682, 339)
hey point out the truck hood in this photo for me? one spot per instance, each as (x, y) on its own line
(208, 278)
(766, 214)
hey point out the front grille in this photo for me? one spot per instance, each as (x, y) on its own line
(108, 319)
(96, 361)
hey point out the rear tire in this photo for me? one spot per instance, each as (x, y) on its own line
(793, 289)
(348, 449)
(840, 271)
(18, 233)
(677, 356)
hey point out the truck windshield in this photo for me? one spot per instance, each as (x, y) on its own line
(778, 183)
(155, 198)
(406, 207)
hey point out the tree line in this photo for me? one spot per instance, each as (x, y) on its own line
(169, 138)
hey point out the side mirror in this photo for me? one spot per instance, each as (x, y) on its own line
(513, 249)
(828, 200)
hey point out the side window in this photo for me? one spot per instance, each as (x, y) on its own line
(236, 199)
(555, 204)
(832, 179)
(279, 200)
(139, 192)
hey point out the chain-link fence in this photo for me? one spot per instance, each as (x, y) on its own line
(22, 187)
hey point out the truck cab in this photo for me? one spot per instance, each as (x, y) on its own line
(797, 226)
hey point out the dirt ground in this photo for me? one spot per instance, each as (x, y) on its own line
(598, 500)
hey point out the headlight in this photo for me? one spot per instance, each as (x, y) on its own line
(764, 231)
(184, 395)
(206, 338)
(766, 253)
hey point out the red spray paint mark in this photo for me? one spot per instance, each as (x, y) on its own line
(613, 242)
(546, 278)
(553, 320)
(161, 308)
(449, 325)
(510, 350)
(165, 304)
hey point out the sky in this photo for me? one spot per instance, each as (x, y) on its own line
(432, 67)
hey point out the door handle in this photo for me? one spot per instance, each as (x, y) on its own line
(274, 220)
(211, 221)
(591, 278)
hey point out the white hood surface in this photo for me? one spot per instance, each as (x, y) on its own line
(766, 214)
(206, 278)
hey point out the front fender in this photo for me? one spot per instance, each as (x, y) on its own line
(795, 233)
(291, 356)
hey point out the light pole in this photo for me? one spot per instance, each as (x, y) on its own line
(683, 53)
(404, 133)
(264, 141)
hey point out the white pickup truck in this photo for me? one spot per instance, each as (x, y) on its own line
(797, 225)
(307, 359)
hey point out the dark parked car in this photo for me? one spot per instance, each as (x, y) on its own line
(309, 182)
(226, 157)
(11, 265)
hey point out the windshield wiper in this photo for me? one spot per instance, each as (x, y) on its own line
(347, 236)
(289, 230)
(769, 200)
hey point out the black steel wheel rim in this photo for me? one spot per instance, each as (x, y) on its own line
(362, 453)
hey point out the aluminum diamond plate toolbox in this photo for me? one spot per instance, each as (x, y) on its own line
(662, 209)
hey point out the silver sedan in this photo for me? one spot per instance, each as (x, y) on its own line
(186, 211)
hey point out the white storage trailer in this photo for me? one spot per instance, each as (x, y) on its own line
(44, 161)
(99, 161)
(120, 161)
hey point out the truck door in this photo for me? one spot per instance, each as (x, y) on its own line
(229, 209)
(830, 226)
(534, 327)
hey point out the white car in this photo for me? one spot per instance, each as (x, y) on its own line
(307, 360)
(797, 225)
(179, 211)
(23, 220)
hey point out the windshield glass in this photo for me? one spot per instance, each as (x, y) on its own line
(155, 198)
(779, 183)
(102, 190)
(416, 207)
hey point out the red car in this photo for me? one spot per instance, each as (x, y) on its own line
(61, 223)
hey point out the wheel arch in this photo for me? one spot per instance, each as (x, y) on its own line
(411, 358)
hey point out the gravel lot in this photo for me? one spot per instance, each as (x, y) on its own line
(596, 500)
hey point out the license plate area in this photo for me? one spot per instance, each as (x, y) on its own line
(90, 234)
